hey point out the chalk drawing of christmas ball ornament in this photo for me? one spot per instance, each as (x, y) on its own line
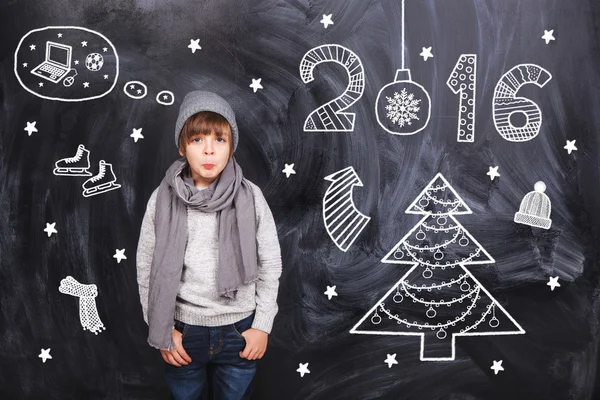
(403, 107)
(94, 61)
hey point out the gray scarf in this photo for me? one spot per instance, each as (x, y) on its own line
(231, 197)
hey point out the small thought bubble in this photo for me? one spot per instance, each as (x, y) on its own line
(135, 89)
(166, 98)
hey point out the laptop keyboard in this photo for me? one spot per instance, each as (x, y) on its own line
(52, 70)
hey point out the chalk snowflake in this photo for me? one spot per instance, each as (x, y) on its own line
(402, 108)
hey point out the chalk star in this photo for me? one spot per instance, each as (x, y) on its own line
(86, 84)
(132, 86)
(45, 354)
(165, 96)
(139, 91)
(59, 35)
(194, 45)
(553, 283)
(326, 21)
(548, 36)
(137, 134)
(84, 44)
(391, 360)
(76, 62)
(303, 369)
(105, 76)
(30, 128)
(32, 47)
(330, 291)
(493, 173)
(120, 255)
(105, 49)
(41, 84)
(497, 367)
(255, 85)
(288, 170)
(570, 146)
(50, 229)
(426, 53)
(24, 65)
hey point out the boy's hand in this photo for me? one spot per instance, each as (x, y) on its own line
(256, 343)
(177, 356)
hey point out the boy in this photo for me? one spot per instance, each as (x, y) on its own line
(208, 259)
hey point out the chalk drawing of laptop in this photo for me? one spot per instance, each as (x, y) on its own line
(57, 63)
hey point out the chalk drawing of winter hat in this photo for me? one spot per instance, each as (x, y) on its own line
(535, 208)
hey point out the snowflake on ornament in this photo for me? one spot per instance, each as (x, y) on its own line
(402, 108)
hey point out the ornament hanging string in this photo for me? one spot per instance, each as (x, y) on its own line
(403, 34)
(402, 107)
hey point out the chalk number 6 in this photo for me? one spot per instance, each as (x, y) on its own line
(506, 104)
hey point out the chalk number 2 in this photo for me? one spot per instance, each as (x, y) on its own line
(330, 116)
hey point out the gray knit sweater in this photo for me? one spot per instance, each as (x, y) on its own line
(197, 301)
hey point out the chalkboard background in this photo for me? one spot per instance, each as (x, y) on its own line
(557, 358)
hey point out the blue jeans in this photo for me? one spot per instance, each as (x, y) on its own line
(216, 347)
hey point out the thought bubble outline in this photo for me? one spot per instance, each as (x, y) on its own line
(61, 98)
(165, 103)
(135, 96)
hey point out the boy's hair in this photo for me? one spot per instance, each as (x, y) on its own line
(205, 123)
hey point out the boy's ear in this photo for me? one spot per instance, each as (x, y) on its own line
(181, 153)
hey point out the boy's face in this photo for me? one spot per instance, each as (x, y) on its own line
(207, 156)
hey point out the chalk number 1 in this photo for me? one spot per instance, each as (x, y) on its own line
(462, 81)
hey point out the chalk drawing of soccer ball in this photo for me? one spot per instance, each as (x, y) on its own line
(94, 61)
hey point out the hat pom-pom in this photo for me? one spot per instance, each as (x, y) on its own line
(540, 187)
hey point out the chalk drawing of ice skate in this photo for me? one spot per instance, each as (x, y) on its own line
(103, 182)
(78, 165)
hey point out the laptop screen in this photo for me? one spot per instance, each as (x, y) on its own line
(58, 55)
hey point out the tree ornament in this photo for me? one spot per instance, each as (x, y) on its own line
(403, 107)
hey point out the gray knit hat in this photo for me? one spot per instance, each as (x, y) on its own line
(200, 100)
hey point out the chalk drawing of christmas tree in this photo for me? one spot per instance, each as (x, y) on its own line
(438, 298)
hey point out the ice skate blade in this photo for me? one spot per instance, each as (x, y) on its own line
(100, 189)
(70, 172)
